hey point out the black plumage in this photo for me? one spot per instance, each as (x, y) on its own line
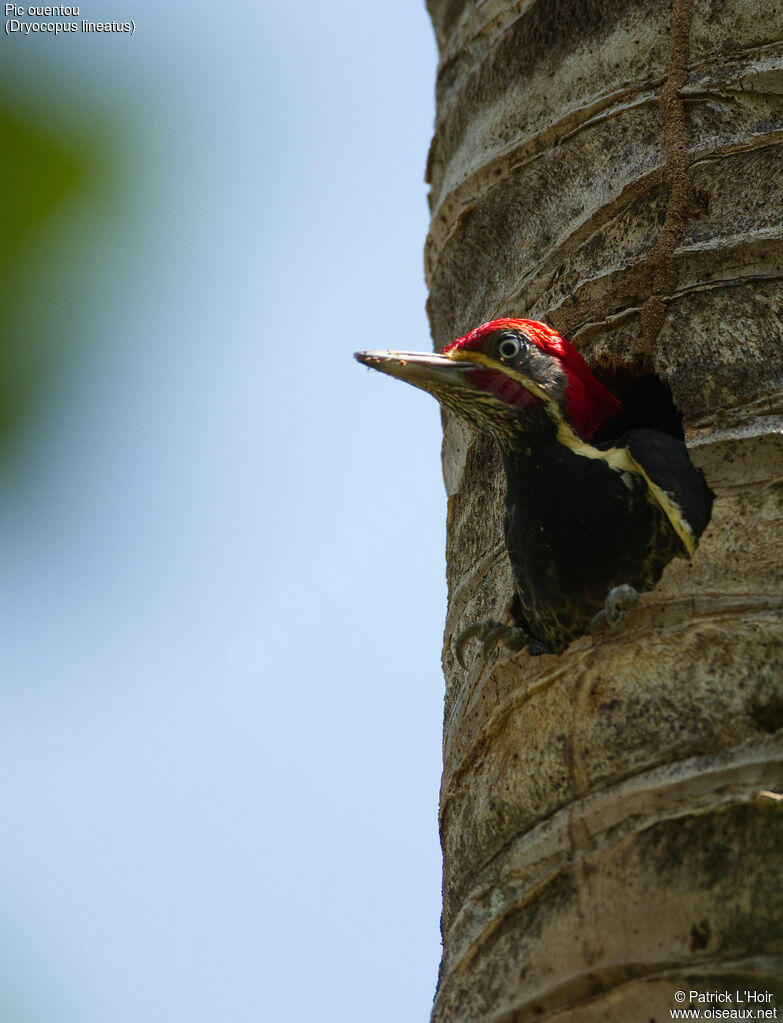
(587, 524)
(577, 525)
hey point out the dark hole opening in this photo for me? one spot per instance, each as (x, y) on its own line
(700, 936)
(647, 404)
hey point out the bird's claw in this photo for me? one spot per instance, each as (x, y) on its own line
(492, 634)
(619, 601)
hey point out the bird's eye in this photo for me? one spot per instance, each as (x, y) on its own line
(509, 347)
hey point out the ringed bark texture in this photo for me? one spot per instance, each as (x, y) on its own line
(611, 820)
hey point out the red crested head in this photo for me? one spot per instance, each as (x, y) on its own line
(547, 359)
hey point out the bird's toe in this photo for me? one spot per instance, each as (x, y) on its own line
(478, 630)
(619, 600)
(509, 636)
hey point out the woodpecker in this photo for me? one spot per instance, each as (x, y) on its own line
(589, 522)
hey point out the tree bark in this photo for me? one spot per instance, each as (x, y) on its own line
(611, 819)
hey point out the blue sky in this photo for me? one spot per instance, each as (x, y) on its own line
(222, 540)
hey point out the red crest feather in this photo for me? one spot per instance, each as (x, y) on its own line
(588, 403)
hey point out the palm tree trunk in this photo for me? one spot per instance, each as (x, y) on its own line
(611, 819)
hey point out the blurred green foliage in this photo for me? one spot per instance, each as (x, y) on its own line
(39, 169)
(36, 173)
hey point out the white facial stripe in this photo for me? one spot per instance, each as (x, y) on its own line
(513, 374)
(618, 459)
(621, 460)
